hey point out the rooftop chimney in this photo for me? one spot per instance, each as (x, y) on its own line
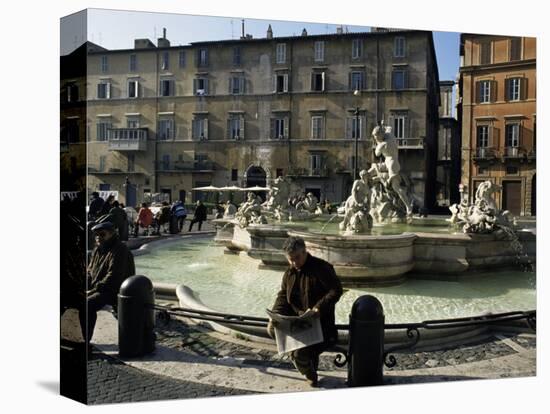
(163, 41)
(143, 44)
(339, 30)
(242, 29)
(304, 32)
(269, 32)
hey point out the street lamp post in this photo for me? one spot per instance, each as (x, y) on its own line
(356, 131)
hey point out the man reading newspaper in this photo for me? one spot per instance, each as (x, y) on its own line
(310, 288)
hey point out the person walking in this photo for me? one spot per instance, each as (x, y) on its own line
(179, 211)
(199, 215)
(309, 284)
(96, 204)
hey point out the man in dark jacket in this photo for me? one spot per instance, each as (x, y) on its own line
(309, 283)
(95, 206)
(119, 218)
(199, 216)
(111, 263)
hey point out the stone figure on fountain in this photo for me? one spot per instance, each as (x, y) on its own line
(277, 199)
(229, 210)
(250, 211)
(482, 216)
(389, 197)
(357, 218)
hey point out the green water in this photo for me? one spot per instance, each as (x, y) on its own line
(233, 283)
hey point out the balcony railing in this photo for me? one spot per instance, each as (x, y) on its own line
(513, 152)
(485, 153)
(128, 139)
(309, 172)
(185, 166)
(410, 143)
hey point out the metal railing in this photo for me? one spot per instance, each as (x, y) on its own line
(405, 143)
(127, 139)
(485, 153)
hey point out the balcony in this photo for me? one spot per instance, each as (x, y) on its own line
(410, 143)
(128, 139)
(185, 166)
(97, 170)
(309, 172)
(512, 153)
(485, 154)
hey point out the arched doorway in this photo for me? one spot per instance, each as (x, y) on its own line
(534, 195)
(256, 176)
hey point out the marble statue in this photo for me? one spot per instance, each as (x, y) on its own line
(482, 216)
(357, 217)
(389, 197)
(249, 211)
(230, 210)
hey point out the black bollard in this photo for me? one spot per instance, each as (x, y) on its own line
(366, 342)
(136, 317)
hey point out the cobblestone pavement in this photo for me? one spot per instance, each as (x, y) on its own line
(111, 381)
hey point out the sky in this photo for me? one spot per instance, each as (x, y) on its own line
(114, 29)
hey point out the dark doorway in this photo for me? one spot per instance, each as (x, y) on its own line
(511, 197)
(182, 196)
(256, 176)
(131, 195)
(534, 196)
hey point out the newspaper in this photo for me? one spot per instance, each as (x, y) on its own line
(295, 332)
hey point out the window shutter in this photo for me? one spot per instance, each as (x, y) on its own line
(108, 90)
(230, 88)
(313, 81)
(195, 86)
(274, 83)
(285, 81)
(241, 85)
(206, 88)
(523, 89)
(323, 81)
(408, 132)
(478, 92)
(99, 90)
(172, 87)
(493, 91)
(206, 128)
(241, 126)
(287, 122)
(272, 128)
(507, 89)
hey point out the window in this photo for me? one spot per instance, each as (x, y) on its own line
(101, 163)
(182, 58)
(133, 63)
(319, 51)
(165, 165)
(234, 174)
(72, 130)
(235, 127)
(165, 62)
(357, 80)
(104, 64)
(237, 56)
(483, 136)
(398, 79)
(484, 91)
(281, 53)
(280, 81)
(399, 125)
(513, 89)
(279, 128)
(133, 88)
(236, 85)
(104, 90)
(315, 162)
(167, 87)
(354, 127)
(72, 92)
(132, 122)
(485, 52)
(103, 127)
(200, 128)
(399, 47)
(515, 48)
(512, 135)
(200, 86)
(131, 162)
(318, 81)
(317, 127)
(202, 55)
(279, 172)
(165, 129)
(356, 48)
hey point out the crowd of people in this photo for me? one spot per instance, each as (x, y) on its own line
(148, 220)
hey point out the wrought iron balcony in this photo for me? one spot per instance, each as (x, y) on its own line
(513, 152)
(187, 166)
(128, 139)
(410, 143)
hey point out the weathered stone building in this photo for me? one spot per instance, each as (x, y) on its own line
(242, 112)
(497, 111)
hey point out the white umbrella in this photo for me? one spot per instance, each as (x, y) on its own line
(207, 188)
(256, 188)
(232, 188)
